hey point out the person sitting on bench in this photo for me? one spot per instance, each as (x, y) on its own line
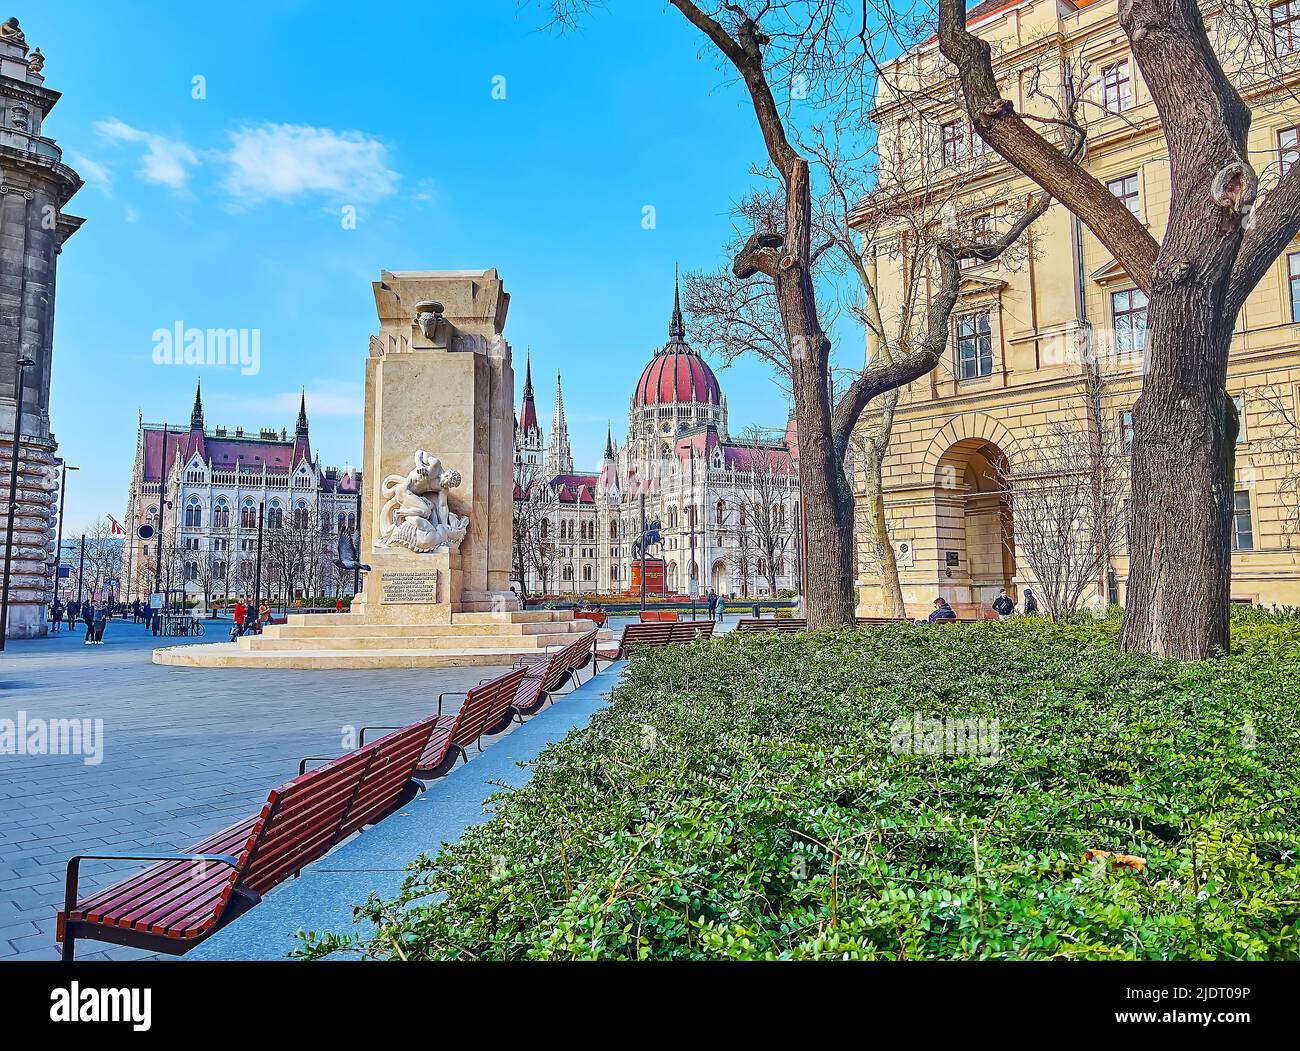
(942, 611)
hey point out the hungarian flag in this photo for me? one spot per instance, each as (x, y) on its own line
(116, 526)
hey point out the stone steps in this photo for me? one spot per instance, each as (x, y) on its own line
(227, 656)
(407, 641)
(329, 627)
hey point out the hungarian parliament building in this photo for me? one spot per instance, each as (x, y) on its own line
(727, 509)
(217, 482)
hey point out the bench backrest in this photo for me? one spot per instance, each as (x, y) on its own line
(658, 616)
(506, 687)
(652, 634)
(690, 630)
(391, 766)
(772, 624)
(301, 820)
(575, 655)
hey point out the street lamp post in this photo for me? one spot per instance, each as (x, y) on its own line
(257, 573)
(642, 545)
(58, 543)
(20, 368)
(162, 516)
(81, 569)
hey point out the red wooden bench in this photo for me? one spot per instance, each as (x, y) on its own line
(548, 673)
(772, 624)
(187, 897)
(596, 616)
(658, 616)
(483, 708)
(640, 636)
(690, 630)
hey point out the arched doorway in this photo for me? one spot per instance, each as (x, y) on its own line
(718, 578)
(973, 522)
(671, 578)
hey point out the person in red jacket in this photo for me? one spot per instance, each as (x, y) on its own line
(241, 613)
(338, 605)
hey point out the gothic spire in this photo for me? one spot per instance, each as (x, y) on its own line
(300, 430)
(609, 441)
(196, 416)
(677, 328)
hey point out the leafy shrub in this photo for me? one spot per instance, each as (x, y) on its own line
(745, 798)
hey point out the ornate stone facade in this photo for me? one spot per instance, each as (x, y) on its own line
(35, 185)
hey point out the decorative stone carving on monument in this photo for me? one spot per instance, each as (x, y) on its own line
(37, 62)
(431, 323)
(416, 514)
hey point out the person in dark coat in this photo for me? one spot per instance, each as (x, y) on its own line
(101, 615)
(713, 604)
(88, 618)
(70, 611)
(942, 611)
(1002, 605)
(1031, 603)
(56, 615)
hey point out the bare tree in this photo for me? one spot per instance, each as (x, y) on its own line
(534, 550)
(1278, 444)
(763, 500)
(1069, 495)
(1219, 241)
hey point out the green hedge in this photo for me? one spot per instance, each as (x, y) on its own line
(746, 798)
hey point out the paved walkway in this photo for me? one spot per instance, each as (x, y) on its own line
(186, 752)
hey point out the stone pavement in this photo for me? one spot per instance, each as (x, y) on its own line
(185, 753)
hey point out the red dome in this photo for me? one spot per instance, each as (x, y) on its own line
(677, 374)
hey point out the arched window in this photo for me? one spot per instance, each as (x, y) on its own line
(193, 514)
(219, 570)
(221, 515)
(191, 571)
(300, 517)
(613, 528)
(546, 528)
(248, 516)
(352, 522)
(586, 573)
(275, 517)
(567, 573)
(613, 571)
(720, 512)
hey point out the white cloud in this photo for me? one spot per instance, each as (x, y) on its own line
(289, 161)
(95, 174)
(166, 162)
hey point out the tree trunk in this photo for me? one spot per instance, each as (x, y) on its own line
(828, 503)
(1185, 431)
(891, 589)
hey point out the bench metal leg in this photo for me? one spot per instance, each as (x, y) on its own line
(69, 948)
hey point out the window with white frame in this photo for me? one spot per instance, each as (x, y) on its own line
(1129, 312)
(974, 346)
(1125, 189)
(1116, 87)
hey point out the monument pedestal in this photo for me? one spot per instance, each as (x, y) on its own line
(437, 501)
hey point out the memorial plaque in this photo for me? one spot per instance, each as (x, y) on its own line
(410, 588)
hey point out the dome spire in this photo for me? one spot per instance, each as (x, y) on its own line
(676, 327)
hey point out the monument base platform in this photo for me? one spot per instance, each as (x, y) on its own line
(353, 641)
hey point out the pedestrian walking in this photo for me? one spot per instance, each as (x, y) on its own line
(88, 618)
(101, 617)
(721, 608)
(1003, 606)
(713, 604)
(1031, 603)
(56, 615)
(70, 611)
(338, 604)
(241, 618)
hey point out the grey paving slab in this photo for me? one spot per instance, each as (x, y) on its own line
(185, 752)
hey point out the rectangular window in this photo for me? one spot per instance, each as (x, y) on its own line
(1293, 283)
(1243, 531)
(1288, 147)
(954, 141)
(1285, 19)
(1130, 313)
(1117, 87)
(981, 233)
(1126, 432)
(1125, 188)
(974, 346)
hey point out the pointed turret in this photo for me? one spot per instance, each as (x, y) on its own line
(677, 327)
(528, 433)
(609, 441)
(196, 414)
(559, 457)
(301, 439)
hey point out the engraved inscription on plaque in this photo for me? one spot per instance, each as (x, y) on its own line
(410, 588)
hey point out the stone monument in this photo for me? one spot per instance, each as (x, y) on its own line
(438, 502)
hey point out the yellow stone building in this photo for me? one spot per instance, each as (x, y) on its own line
(1054, 331)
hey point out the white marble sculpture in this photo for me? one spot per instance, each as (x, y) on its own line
(416, 515)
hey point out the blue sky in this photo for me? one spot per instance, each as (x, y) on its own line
(226, 212)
